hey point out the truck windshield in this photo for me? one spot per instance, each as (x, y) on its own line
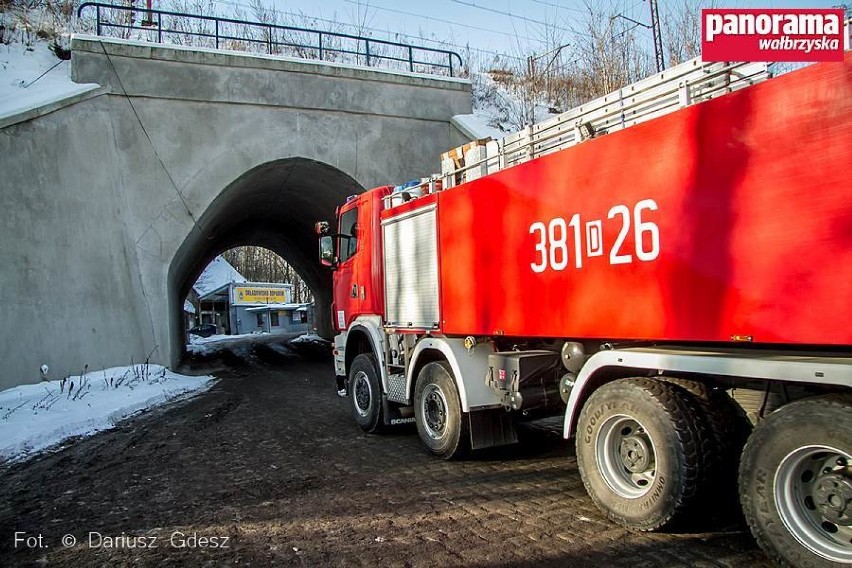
(348, 239)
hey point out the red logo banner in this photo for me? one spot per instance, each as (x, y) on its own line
(772, 34)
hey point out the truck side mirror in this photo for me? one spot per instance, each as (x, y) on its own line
(326, 245)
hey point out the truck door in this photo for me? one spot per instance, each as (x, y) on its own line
(346, 292)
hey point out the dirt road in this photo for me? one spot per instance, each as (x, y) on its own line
(269, 469)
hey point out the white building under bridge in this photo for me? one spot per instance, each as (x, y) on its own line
(254, 307)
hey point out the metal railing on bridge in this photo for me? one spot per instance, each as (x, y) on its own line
(127, 22)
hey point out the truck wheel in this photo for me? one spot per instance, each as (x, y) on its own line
(728, 429)
(796, 482)
(638, 446)
(437, 412)
(365, 393)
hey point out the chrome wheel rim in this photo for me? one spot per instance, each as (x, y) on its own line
(626, 456)
(813, 495)
(362, 393)
(433, 408)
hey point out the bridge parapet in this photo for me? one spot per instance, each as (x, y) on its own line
(218, 32)
(142, 69)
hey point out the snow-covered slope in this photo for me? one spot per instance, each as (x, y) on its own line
(32, 77)
(35, 417)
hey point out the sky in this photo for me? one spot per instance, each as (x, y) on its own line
(518, 27)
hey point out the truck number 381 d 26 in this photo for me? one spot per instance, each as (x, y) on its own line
(552, 250)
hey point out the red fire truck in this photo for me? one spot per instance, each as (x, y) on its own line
(669, 266)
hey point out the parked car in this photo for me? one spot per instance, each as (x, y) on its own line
(203, 330)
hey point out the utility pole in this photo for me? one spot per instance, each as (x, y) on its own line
(657, 32)
(532, 74)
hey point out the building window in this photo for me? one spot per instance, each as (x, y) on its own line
(273, 319)
(259, 320)
(303, 317)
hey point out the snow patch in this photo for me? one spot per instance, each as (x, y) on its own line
(34, 77)
(210, 345)
(477, 125)
(218, 273)
(309, 338)
(36, 417)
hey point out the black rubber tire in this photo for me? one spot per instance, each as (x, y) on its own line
(370, 418)
(824, 420)
(728, 429)
(454, 439)
(670, 419)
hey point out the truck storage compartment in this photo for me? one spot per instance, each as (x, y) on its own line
(410, 253)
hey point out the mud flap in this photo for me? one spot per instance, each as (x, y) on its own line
(491, 427)
(394, 415)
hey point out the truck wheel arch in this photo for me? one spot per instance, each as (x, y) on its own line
(617, 363)
(585, 385)
(364, 336)
(468, 369)
(357, 342)
(419, 361)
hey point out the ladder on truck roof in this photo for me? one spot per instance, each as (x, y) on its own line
(660, 94)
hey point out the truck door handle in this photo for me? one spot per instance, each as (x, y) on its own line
(354, 291)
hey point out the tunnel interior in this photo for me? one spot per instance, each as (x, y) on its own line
(274, 206)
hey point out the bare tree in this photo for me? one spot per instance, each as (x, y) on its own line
(682, 25)
(259, 264)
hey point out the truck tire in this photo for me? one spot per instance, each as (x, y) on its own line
(796, 482)
(728, 428)
(365, 393)
(437, 412)
(638, 442)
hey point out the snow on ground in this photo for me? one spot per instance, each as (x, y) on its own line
(22, 88)
(478, 125)
(309, 338)
(36, 417)
(207, 345)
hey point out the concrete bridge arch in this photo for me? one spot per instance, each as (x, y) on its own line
(111, 202)
(274, 205)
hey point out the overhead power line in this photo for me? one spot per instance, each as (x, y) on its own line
(501, 12)
(559, 6)
(469, 26)
(386, 33)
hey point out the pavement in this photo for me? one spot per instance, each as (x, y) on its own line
(269, 469)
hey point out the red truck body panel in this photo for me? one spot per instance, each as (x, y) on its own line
(751, 199)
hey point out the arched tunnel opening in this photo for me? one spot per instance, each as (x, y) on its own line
(244, 291)
(273, 206)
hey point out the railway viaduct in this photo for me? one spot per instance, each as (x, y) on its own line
(113, 201)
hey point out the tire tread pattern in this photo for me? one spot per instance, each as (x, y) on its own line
(815, 406)
(684, 416)
(727, 429)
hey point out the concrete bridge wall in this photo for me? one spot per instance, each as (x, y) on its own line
(113, 205)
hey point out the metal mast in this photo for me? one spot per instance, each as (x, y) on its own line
(657, 32)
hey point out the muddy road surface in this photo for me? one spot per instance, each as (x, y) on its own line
(268, 468)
